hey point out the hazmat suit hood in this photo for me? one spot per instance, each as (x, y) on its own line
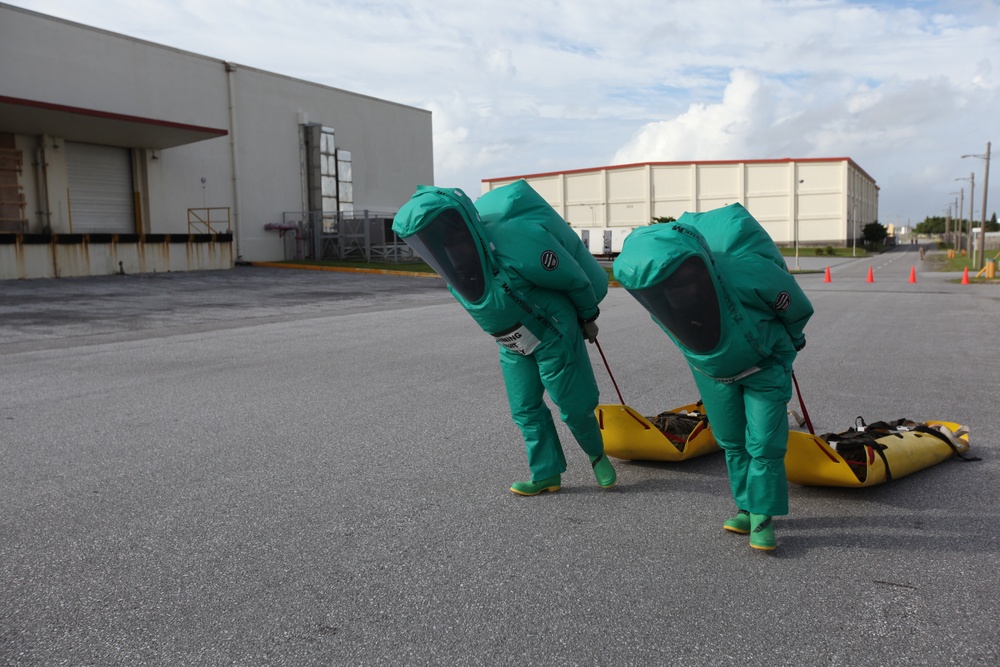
(510, 261)
(762, 310)
(444, 228)
(686, 304)
(757, 276)
(731, 233)
(670, 269)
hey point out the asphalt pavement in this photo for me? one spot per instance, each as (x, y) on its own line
(285, 467)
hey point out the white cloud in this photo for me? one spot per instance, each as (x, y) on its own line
(705, 131)
(905, 88)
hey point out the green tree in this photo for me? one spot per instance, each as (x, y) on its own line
(662, 218)
(992, 225)
(931, 225)
(936, 224)
(874, 233)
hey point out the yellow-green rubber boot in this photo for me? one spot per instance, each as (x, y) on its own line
(739, 523)
(762, 533)
(603, 471)
(550, 484)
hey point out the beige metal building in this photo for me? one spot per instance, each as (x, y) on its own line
(812, 201)
(121, 155)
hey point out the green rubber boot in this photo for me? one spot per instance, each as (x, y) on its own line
(550, 484)
(739, 523)
(603, 471)
(762, 533)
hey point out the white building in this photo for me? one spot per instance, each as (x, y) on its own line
(120, 155)
(813, 201)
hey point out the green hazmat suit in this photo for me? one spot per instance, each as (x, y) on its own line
(718, 286)
(525, 277)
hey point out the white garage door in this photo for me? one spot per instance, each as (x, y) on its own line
(100, 189)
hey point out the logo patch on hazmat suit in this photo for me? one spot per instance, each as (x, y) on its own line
(550, 260)
(783, 301)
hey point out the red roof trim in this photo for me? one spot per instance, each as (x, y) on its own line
(111, 116)
(784, 160)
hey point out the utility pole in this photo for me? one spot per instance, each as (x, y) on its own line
(972, 195)
(947, 226)
(972, 212)
(986, 189)
(958, 209)
(947, 223)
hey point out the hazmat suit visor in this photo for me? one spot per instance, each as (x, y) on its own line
(686, 304)
(447, 244)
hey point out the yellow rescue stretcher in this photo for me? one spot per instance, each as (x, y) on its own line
(874, 454)
(675, 435)
(870, 455)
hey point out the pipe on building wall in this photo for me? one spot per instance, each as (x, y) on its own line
(42, 186)
(303, 119)
(284, 228)
(233, 146)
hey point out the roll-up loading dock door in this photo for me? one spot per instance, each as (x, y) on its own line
(101, 198)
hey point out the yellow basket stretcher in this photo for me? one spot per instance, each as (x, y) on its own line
(631, 436)
(849, 459)
(844, 459)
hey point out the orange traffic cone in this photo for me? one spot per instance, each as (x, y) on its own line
(826, 278)
(871, 275)
(913, 274)
(965, 276)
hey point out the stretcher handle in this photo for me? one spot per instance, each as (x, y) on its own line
(805, 413)
(598, 344)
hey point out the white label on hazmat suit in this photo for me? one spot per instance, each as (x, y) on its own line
(520, 340)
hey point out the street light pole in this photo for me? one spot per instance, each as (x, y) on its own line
(986, 189)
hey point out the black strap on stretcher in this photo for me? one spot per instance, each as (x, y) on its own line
(922, 428)
(877, 447)
(919, 428)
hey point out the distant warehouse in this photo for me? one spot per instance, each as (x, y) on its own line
(814, 201)
(121, 155)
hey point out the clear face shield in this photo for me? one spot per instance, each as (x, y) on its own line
(449, 247)
(687, 305)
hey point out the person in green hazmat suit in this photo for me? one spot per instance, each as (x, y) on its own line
(526, 278)
(718, 286)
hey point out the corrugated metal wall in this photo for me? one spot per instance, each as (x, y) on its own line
(101, 196)
(828, 200)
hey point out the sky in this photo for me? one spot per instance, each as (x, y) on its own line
(523, 87)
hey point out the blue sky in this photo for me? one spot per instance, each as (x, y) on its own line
(903, 88)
